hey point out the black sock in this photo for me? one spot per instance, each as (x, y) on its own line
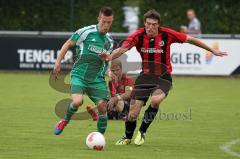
(149, 116)
(126, 108)
(129, 128)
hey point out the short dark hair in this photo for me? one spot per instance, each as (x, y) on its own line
(153, 14)
(106, 11)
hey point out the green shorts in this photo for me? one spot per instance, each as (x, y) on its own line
(95, 90)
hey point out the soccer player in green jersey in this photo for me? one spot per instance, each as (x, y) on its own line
(88, 71)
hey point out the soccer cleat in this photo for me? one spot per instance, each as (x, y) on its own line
(92, 112)
(123, 141)
(60, 126)
(140, 138)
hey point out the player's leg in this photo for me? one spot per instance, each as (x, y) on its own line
(99, 94)
(93, 112)
(115, 111)
(164, 84)
(157, 97)
(131, 122)
(119, 106)
(123, 108)
(139, 96)
(102, 116)
(77, 100)
(77, 90)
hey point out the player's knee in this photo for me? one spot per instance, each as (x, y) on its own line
(132, 116)
(156, 100)
(102, 107)
(102, 110)
(155, 103)
(119, 106)
(77, 102)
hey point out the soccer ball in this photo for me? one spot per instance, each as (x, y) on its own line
(95, 141)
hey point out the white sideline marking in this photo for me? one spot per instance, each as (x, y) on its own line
(227, 148)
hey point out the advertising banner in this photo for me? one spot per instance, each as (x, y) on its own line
(188, 59)
(40, 53)
(32, 53)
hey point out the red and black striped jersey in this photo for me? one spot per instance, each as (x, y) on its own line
(120, 86)
(155, 52)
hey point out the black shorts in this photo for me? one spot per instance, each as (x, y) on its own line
(145, 85)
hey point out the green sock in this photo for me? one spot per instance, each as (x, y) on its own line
(102, 123)
(70, 111)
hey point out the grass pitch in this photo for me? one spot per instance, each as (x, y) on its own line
(198, 117)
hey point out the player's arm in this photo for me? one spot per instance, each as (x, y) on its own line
(119, 97)
(126, 45)
(199, 43)
(124, 96)
(117, 53)
(128, 90)
(57, 67)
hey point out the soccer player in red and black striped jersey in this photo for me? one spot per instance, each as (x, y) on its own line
(153, 44)
(120, 86)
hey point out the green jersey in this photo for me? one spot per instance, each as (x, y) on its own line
(89, 44)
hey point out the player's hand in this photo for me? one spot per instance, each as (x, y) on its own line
(104, 56)
(109, 58)
(219, 53)
(113, 77)
(56, 70)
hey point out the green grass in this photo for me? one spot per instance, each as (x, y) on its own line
(27, 119)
